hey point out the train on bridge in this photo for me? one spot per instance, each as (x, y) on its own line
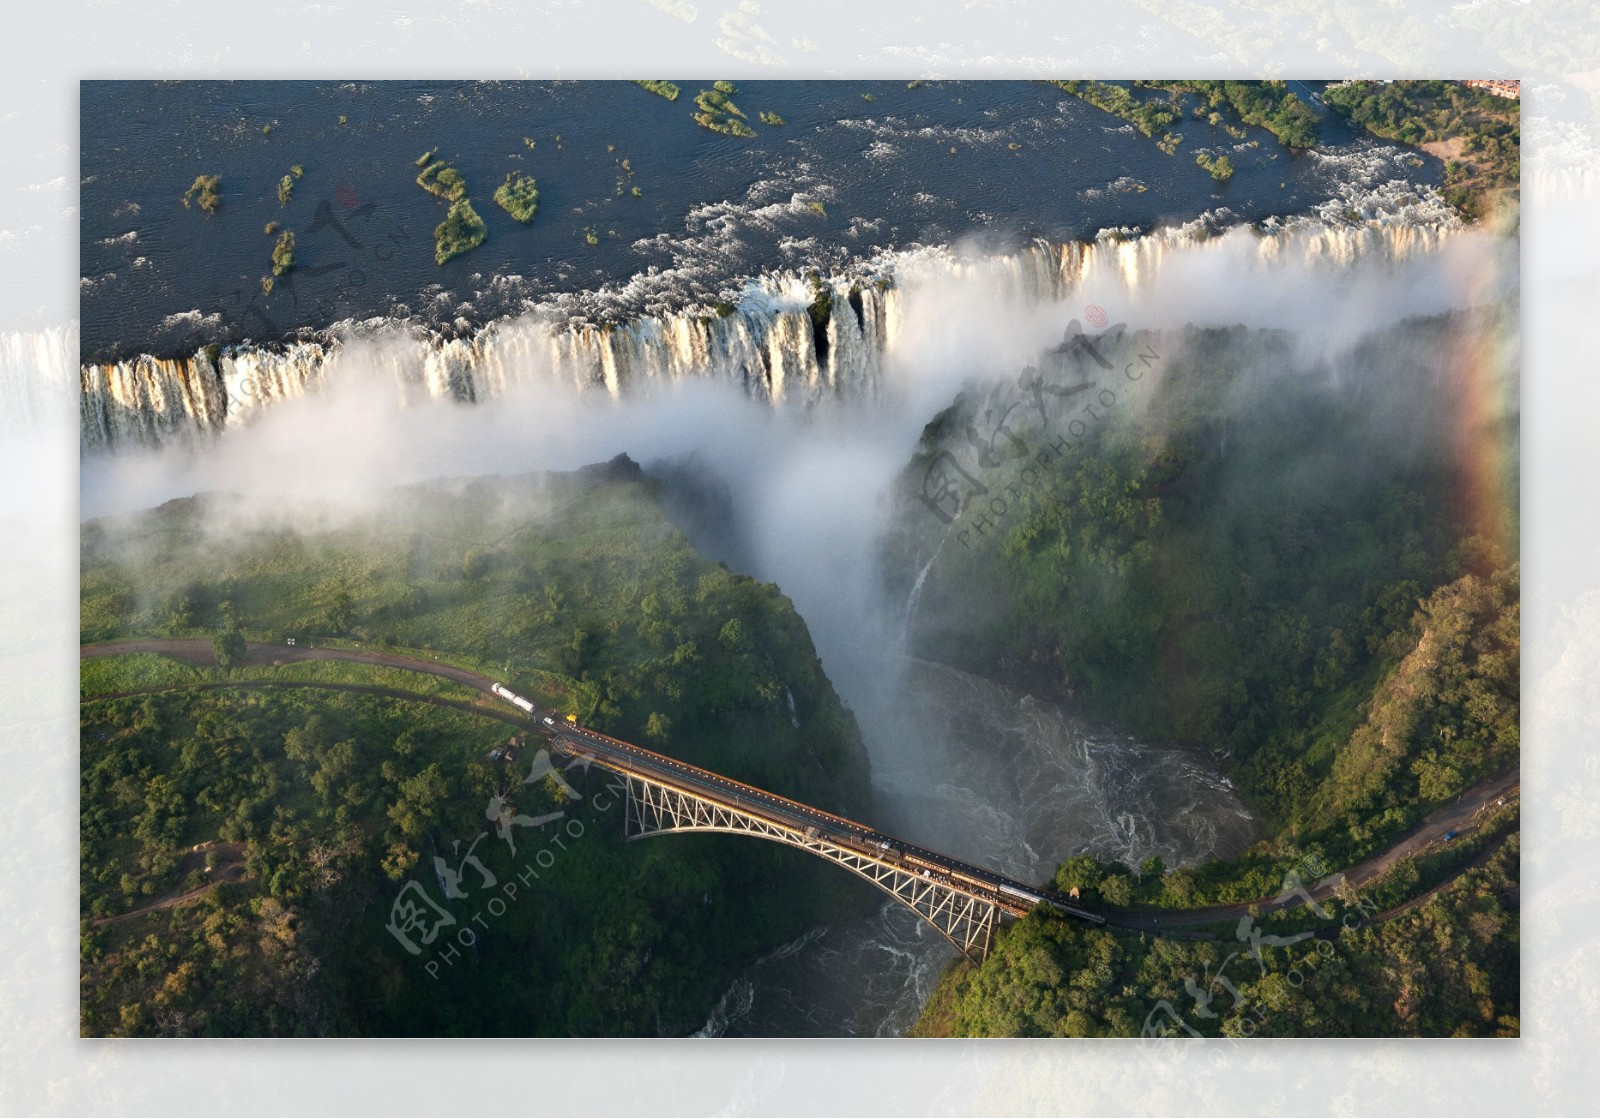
(1015, 897)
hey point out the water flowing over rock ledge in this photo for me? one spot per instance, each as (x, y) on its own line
(791, 340)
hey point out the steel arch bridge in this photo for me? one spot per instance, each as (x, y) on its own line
(963, 902)
(962, 915)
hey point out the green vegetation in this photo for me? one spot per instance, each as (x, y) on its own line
(718, 113)
(1277, 635)
(669, 90)
(312, 808)
(771, 118)
(270, 228)
(206, 190)
(113, 677)
(1267, 104)
(461, 231)
(1449, 967)
(1221, 167)
(441, 180)
(1150, 117)
(1478, 135)
(228, 648)
(625, 177)
(283, 253)
(590, 237)
(285, 190)
(518, 196)
(267, 284)
(1205, 563)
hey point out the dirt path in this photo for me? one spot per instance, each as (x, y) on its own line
(259, 654)
(229, 868)
(483, 709)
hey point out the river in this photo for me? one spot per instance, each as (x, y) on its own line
(1004, 779)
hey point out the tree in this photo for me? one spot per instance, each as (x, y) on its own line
(1117, 890)
(657, 728)
(206, 190)
(732, 634)
(1079, 872)
(420, 800)
(228, 648)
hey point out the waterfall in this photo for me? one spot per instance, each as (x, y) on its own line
(769, 346)
(914, 599)
(35, 377)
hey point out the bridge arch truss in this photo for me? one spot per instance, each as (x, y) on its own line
(967, 919)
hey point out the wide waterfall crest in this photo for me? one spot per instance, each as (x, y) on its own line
(790, 341)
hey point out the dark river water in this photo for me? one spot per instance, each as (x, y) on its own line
(1007, 779)
(992, 163)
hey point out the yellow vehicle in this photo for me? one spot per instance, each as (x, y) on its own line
(572, 720)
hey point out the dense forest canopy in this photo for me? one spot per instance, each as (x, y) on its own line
(288, 821)
(1205, 537)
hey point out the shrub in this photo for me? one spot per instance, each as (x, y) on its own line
(660, 88)
(206, 190)
(461, 231)
(283, 253)
(518, 196)
(441, 180)
(1221, 167)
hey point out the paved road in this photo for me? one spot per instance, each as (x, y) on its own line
(1457, 816)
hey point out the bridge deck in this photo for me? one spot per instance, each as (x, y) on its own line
(625, 757)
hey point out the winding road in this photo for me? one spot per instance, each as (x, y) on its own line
(1455, 817)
